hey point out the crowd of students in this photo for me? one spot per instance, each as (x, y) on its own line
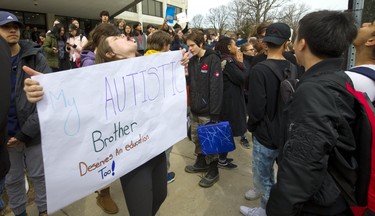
(226, 83)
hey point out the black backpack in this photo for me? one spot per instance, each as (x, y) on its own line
(288, 78)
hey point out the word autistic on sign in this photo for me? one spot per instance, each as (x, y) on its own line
(100, 122)
(152, 85)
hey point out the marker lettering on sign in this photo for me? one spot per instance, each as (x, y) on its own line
(85, 168)
(101, 141)
(153, 71)
(149, 84)
(113, 168)
(68, 108)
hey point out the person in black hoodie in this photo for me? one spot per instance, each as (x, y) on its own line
(4, 109)
(206, 95)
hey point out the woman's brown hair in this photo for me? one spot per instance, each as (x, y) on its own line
(102, 30)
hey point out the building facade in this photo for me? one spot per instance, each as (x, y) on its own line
(42, 13)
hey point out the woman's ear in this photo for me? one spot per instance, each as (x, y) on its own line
(229, 47)
(370, 41)
(110, 54)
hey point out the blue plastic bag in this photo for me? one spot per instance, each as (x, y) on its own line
(216, 138)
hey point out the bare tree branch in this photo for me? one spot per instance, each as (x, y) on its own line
(217, 18)
(292, 13)
(197, 21)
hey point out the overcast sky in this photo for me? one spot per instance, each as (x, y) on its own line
(201, 6)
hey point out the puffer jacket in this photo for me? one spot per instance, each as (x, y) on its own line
(206, 85)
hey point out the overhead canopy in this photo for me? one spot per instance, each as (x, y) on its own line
(74, 8)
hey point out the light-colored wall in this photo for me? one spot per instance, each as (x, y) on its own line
(130, 16)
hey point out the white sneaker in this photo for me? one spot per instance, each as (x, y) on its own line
(259, 211)
(252, 194)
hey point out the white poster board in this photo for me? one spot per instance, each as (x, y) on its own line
(100, 122)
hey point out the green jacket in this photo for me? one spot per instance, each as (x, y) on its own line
(52, 57)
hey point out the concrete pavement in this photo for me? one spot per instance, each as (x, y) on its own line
(185, 196)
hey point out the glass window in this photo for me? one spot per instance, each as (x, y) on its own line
(158, 9)
(144, 7)
(18, 14)
(35, 19)
(152, 7)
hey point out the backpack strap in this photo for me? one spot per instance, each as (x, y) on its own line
(274, 68)
(365, 71)
(293, 71)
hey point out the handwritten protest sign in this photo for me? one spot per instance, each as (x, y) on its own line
(100, 122)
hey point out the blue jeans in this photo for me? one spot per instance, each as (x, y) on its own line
(2, 185)
(263, 172)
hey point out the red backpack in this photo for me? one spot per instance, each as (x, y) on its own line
(364, 132)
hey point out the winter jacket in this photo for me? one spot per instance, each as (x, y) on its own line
(78, 42)
(31, 55)
(4, 108)
(178, 44)
(234, 108)
(150, 52)
(265, 114)
(206, 85)
(52, 57)
(87, 58)
(141, 40)
(321, 116)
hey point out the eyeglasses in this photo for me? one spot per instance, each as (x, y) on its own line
(250, 50)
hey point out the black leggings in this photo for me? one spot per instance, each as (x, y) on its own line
(145, 188)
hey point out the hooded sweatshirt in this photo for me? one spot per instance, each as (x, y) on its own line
(87, 58)
(206, 85)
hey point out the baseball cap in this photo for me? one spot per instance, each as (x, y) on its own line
(6, 17)
(277, 33)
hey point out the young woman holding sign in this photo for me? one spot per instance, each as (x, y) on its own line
(144, 188)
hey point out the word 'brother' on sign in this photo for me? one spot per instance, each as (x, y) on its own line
(100, 142)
